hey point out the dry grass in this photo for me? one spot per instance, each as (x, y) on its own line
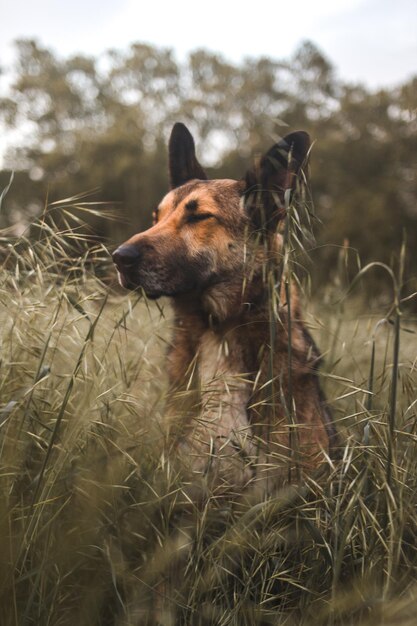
(89, 500)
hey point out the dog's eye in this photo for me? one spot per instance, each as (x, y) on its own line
(199, 217)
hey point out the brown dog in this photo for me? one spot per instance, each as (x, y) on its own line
(214, 250)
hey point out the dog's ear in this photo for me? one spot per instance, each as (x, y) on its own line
(267, 183)
(183, 164)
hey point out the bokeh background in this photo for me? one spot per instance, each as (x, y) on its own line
(89, 92)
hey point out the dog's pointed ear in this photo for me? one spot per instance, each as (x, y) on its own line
(267, 183)
(183, 164)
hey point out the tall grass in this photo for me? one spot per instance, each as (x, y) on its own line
(89, 497)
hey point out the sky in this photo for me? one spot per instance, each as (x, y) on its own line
(368, 41)
(371, 41)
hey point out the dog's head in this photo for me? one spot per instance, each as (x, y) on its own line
(203, 229)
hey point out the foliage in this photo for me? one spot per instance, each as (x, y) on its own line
(101, 124)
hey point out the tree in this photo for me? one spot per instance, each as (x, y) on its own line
(103, 124)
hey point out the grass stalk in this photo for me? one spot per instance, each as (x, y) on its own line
(89, 499)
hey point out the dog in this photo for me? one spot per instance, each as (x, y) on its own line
(216, 251)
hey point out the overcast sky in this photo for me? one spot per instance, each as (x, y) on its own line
(373, 41)
(369, 41)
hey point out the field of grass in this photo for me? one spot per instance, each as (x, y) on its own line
(89, 498)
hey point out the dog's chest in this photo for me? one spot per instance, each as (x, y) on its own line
(224, 386)
(219, 357)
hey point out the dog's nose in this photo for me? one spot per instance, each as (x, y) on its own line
(126, 256)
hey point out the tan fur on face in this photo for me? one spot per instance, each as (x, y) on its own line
(171, 217)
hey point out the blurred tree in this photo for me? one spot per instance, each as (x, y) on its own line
(103, 124)
(364, 172)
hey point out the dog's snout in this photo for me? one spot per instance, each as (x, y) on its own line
(126, 256)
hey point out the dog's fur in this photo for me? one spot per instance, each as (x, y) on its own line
(214, 249)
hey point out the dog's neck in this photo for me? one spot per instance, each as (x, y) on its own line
(222, 304)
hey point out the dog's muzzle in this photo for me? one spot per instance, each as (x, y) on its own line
(126, 259)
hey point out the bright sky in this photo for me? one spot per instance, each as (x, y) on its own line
(374, 41)
(371, 41)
